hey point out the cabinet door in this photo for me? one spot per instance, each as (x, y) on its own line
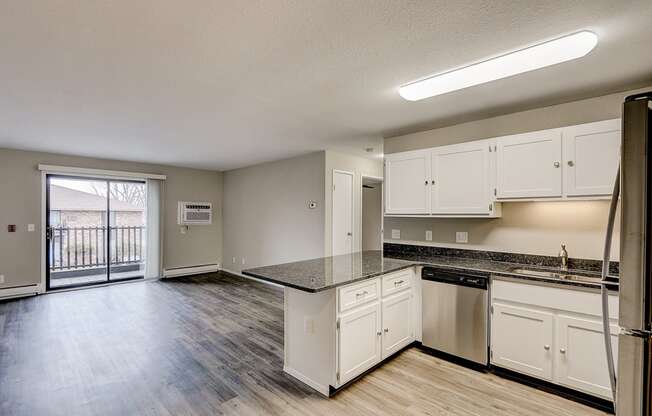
(359, 341)
(407, 176)
(529, 165)
(397, 323)
(591, 156)
(581, 355)
(460, 176)
(521, 340)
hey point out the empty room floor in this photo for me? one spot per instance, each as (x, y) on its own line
(210, 345)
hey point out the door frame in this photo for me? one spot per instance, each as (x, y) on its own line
(381, 181)
(353, 221)
(45, 223)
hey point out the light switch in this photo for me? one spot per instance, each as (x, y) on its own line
(428, 235)
(31, 228)
(396, 234)
(461, 237)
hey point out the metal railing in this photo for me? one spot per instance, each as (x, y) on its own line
(74, 248)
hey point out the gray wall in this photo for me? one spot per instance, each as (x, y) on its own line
(20, 204)
(266, 214)
(536, 227)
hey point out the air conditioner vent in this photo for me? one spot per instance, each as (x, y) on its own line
(195, 213)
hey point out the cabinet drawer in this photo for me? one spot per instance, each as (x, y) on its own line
(554, 297)
(358, 294)
(397, 282)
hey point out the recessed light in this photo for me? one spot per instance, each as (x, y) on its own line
(524, 60)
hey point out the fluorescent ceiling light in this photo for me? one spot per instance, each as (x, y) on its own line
(538, 56)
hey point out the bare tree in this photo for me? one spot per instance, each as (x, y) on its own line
(130, 193)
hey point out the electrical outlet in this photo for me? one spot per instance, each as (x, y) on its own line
(428, 235)
(461, 237)
(31, 228)
(243, 260)
(233, 260)
(396, 234)
(2, 278)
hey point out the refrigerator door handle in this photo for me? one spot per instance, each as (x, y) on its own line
(606, 329)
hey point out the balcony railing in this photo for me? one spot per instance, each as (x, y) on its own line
(73, 248)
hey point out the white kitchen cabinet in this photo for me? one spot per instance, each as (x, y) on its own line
(581, 355)
(529, 165)
(522, 340)
(552, 333)
(460, 179)
(407, 178)
(397, 322)
(359, 341)
(591, 157)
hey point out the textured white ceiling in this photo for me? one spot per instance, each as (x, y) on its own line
(223, 84)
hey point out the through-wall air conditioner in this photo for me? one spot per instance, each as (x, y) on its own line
(195, 213)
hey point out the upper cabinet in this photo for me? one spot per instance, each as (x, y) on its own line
(407, 177)
(471, 179)
(460, 179)
(591, 156)
(529, 165)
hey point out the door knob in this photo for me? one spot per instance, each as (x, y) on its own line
(349, 234)
(571, 163)
(546, 347)
(562, 350)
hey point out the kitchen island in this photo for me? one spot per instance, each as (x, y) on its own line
(344, 315)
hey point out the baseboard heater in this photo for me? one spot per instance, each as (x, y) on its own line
(16, 292)
(190, 270)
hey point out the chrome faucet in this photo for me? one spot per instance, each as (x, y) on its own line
(563, 255)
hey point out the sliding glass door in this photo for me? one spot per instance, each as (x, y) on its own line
(96, 231)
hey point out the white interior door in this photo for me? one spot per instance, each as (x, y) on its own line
(591, 153)
(342, 212)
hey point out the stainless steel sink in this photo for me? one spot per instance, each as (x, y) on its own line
(557, 275)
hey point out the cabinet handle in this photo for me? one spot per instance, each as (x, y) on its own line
(426, 183)
(546, 347)
(571, 163)
(432, 182)
(386, 330)
(556, 164)
(379, 333)
(562, 350)
(400, 282)
(361, 294)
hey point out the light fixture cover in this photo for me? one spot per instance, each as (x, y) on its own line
(534, 57)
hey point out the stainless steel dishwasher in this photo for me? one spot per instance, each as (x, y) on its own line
(455, 313)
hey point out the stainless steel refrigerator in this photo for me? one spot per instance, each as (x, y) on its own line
(632, 377)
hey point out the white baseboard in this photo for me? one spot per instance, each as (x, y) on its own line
(16, 292)
(253, 278)
(317, 386)
(188, 271)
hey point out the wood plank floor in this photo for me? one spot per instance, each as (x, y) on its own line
(212, 345)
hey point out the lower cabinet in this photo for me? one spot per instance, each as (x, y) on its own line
(552, 334)
(397, 323)
(374, 330)
(522, 340)
(582, 357)
(359, 341)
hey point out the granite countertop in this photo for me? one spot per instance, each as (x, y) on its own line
(328, 272)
